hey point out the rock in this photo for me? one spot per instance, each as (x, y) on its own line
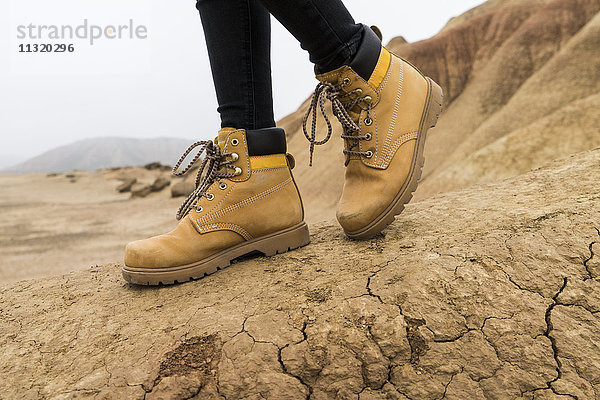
(182, 189)
(486, 293)
(160, 183)
(397, 41)
(157, 166)
(141, 190)
(126, 185)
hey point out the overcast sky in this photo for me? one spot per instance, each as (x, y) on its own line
(157, 86)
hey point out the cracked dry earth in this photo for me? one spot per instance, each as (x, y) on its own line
(488, 293)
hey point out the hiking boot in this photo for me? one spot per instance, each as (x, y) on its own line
(385, 106)
(246, 201)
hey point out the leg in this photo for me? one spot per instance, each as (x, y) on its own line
(324, 28)
(238, 37)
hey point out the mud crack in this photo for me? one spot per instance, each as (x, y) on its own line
(586, 261)
(547, 333)
(449, 382)
(283, 366)
(279, 353)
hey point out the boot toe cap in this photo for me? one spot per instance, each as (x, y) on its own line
(142, 254)
(354, 219)
(350, 221)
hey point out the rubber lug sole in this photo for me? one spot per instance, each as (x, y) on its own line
(433, 108)
(268, 245)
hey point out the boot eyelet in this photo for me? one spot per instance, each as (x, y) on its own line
(368, 121)
(210, 196)
(199, 209)
(235, 142)
(358, 91)
(346, 81)
(368, 136)
(234, 156)
(238, 171)
(368, 99)
(369, 154)
(223, 186)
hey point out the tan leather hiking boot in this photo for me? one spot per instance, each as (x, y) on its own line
(245, 201)
(385, 109)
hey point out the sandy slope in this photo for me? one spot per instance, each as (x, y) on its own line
(492, 292)
(51, 225)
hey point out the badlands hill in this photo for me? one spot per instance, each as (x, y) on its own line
(487, 288)
(108, 152)
(522, 85)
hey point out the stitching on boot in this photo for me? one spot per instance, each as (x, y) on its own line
(243, 203)
(399, 93)
(224, 197)
(389, 73)
(226, 226)
(399, 142)
(265, 156)
(383, 155)
(269, 169)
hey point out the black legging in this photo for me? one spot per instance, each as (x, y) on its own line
(238, 37)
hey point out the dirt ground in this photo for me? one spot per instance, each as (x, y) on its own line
(487, 293)
(56, 224)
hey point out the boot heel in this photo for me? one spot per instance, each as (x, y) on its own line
(281, 242)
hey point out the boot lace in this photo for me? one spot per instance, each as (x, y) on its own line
(341, 102)
(213, 168)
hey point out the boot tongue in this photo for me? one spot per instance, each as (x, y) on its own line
(354, 113)
(222, 138)
(334, 77)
